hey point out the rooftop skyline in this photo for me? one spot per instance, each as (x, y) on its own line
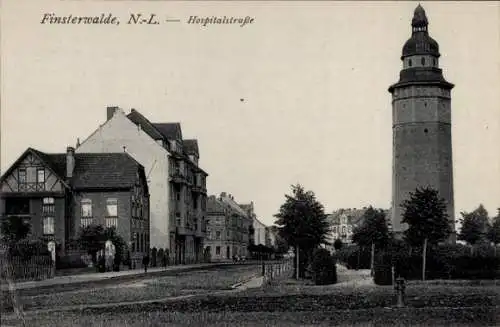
(298, 96)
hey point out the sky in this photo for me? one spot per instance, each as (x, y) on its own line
(298, 96)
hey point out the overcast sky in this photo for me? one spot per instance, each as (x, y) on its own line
(313, 78)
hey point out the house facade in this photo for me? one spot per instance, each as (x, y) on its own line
(227, 228)
(177, 185)
(343, 222)
(58, 194)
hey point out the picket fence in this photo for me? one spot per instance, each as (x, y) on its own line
(276, 270)
(19, 269)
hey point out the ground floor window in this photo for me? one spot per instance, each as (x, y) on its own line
(217, 250)
(48, 225)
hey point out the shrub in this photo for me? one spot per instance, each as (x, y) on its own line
(354, 257)
(323, 268)
(442, 262)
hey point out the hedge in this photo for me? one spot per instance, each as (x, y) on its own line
(442, 262)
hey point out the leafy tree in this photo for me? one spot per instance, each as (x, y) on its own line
(14, 229)
(373, 230)
(337, 244)
(302, 223)
(494, 229)
(474, 225)
(425, 213)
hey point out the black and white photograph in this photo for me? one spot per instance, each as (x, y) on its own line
(249, 163)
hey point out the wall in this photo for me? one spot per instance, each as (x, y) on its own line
(118, 132)
(99, 210)
(422, 149)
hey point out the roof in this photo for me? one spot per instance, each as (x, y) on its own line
(171, 131)
(92, 170)
(137, 118)
(191, 147)
(419, 17)
(104, 170)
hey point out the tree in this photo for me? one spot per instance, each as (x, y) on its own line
(373, 230)
(474, 225)
(302, 223)
(14, 229)
(425, 213)
(494, 229)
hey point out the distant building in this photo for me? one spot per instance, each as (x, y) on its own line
(59, 193)
(227, 228)
(344, 221)
(176, 182)
(271, 236)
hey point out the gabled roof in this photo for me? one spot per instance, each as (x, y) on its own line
(92, 170)
(171, 131)
(104, 170)
(191, 147)
(53, 163)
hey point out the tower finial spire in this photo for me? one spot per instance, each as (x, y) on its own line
(419, 22)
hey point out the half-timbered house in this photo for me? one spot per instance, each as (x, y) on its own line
(59, 193)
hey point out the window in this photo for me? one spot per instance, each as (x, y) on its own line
(343, 230)
(22, 176)
(86, 208)
(48, 210)
(48, 225)
(217, 235)
(48, 207)
(111, 208)
(423, 61)
(111, 222)
(40, 175)
(217, 250)
(349, 229)
(409, 62)
(335, 229)
(435, 61)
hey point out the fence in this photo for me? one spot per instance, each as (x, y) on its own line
(19, 269)
(276, 270)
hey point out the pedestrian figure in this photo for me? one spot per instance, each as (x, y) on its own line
(145, 263)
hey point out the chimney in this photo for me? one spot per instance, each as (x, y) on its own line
(111, 112)
(70, 161)
(223, 195)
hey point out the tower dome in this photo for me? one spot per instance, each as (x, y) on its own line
(420, 42)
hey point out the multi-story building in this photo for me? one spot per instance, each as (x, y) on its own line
(260, 232)
(58, 194)
(177, 184)
(343, 222)
(249, 209)
(271, 236)
(227, 228)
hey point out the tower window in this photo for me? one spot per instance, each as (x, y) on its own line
(409, 62)
(435, 62)
(426, 130)
(423, 61)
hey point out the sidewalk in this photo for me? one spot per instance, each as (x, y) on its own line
(92, 277)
